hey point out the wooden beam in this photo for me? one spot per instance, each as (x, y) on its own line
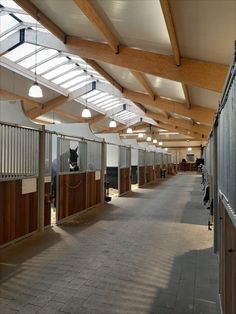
(12, 96)
(171, 29)
(96, 119)
(174, 128)
(101, 71)
(88, 9)
(180, 123)
(198, 113)
(30, 8)
(143, 81)
(192, 72)
(69, 116)
(186, 95)
(48, 106)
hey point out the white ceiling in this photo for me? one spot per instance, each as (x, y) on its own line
(206, 29)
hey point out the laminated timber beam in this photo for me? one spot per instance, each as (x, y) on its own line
(191, 72)
(143, 81)
(89, 10)
(198, 113)
(30, 8)
(171, 30)
(180, 123)
(46, 107)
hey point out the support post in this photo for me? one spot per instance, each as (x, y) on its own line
(41, 184)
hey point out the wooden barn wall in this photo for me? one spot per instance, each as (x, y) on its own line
(72, 194)
(93, 189)
(141, 177)
(18, 212)
(124, 180)
(227, 262)
(149, 174)
(157, 172)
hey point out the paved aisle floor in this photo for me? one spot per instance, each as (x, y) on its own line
(148, 252)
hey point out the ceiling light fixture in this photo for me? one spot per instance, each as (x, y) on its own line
(149, 139)
(160, 143)
(189, 149)
(35, 90)
(154, 141)
(86, 113)
(140, 135)
(166, 148)
(129, 131)
(112, 124)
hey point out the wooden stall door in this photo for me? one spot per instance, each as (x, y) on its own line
(227, 263)
(18, 212)
(149, 174)
(141, 177)
(72, 194)
(157, 172)
(91, 186)
(124, 180)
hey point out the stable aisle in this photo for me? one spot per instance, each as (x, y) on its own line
(148, 252)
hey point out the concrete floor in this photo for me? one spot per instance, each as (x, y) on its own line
(148, 252)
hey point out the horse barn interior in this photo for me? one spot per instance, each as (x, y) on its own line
(118, 156)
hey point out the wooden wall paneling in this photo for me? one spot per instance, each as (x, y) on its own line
(98, 191)
(47, 204)
(141, 177)
(72, 194)
(124, 180)
(227, 262)
(18, 213)
(91, 189)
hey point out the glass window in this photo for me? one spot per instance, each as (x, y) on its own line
(72, 82)
(72, 89)
(7, 22)
(20, 51)
(67, 76)
(41, 55)
(50, 64)
(10, 4)
(113, 106)
(59, 72)
(25, 18)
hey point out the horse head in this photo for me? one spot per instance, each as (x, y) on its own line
(74, 159)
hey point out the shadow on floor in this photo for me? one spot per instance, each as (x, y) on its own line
(192, 286)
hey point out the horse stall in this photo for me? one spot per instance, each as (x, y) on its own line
(118, 164)
(137, 166)
(19, 171)
(221, 152)
(77, 169)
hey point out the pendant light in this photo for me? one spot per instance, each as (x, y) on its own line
(112, 124)
(140, 135)
(149, 139)
(129, 131)
(154, 141)
(86, 113)
(35, 90)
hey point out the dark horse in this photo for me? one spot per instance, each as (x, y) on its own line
(73, 164)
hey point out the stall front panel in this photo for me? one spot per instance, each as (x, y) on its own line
(19, 152)
(77, 175)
